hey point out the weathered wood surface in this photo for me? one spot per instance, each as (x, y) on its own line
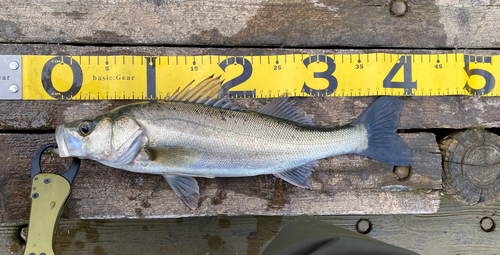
(454, 229)
(341, 185)
(471, 166)
(452, 112)
(364, 23)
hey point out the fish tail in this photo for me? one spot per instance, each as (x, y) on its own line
(381, 120)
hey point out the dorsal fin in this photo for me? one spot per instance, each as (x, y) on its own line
(283, 108)
(207, 92)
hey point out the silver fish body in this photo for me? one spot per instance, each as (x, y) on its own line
(182, 139)
(229, 143)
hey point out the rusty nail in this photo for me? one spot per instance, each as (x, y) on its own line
(402, 173)
(398, 8)
(363, 226)
(487, 224)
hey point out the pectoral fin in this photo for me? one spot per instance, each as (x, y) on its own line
(186, 188)
(173, 157)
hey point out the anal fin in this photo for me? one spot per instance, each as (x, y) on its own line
(186, 188)
(299, 176)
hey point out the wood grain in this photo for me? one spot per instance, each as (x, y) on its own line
(470, 166)
(454, 229)
(341, 185)
(451, 112)
(427, 24)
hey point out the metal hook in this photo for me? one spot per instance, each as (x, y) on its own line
(36, 169)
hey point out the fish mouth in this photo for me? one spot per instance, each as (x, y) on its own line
(68, 145)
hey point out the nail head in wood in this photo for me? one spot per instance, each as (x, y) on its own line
(487, 224)
(402, 173)
(398, 8)
(364, 226)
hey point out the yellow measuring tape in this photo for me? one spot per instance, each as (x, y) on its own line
(146, 77)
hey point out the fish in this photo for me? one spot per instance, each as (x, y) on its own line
(199, 132)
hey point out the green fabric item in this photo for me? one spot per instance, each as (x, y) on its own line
(310, 236)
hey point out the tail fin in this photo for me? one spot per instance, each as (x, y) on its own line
(381, 120)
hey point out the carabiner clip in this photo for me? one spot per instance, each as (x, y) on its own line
(36, 169)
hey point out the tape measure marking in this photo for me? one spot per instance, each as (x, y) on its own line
(153, 77)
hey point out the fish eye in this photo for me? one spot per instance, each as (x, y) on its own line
(85, 128)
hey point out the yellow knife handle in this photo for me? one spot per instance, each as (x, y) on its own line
(49, 193)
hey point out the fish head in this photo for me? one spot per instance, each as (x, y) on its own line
(85, 139)
(111, 139)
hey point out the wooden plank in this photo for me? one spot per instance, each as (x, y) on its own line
(453, 112)
(341, 185)
(426, 24)
(454, 229)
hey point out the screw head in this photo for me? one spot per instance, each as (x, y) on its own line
(363, 226)
(487, 224)
(13, 65)
(14, 88)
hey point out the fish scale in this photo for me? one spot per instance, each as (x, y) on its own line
(245, 141)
